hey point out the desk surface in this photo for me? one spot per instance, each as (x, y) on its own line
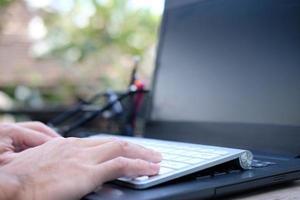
(288, 191)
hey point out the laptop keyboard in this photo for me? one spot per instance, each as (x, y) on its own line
(177, 157)
(181, 159)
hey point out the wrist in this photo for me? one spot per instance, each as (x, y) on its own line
(14, 186)
(10, 187)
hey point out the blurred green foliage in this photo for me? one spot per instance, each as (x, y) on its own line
(3, 5)
(4, 2)
(91, 27)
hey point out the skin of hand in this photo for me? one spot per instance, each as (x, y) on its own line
(69, 168)
(14, 138)
(9, 186)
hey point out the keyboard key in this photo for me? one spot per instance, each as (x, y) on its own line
(141, 178)
(205, 155)
(204, 150)
(179, 158)
(194, 160)
(192, 154)
(180, 152)
(172, 164)
(125, 179)
(221, 152)
(209, 156)
(164, 170)
(167, 156)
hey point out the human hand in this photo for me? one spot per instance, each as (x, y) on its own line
(16, 137)
(69, 168)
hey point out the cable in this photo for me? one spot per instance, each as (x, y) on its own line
(64, 131)
(74, 110)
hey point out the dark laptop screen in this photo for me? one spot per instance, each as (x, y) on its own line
(228, 73)
(230, 61)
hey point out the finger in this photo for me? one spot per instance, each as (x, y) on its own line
(124, 167)
(24, 137)
(7, 157)
(122, 148)
(40, 127)
(6, 145)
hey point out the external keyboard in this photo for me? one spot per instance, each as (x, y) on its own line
(180, 159)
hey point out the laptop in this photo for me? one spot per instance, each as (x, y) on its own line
(227, 76)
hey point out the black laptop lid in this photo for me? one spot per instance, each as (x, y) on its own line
(228, 73)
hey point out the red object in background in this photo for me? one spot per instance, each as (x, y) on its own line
(138, 100)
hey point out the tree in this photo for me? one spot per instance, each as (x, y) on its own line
(107, 24)
(3, 5)
(102, 35)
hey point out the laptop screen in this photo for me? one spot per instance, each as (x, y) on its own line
(231, 61)
(228, 74)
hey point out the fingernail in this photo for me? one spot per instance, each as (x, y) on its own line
(157, 155)
(154, 167)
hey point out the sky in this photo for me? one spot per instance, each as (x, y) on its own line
(155, 5)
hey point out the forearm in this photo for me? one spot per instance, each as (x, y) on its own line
(9, 187)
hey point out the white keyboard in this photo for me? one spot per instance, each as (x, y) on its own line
(180, 159)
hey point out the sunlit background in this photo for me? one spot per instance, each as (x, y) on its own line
(53, 52)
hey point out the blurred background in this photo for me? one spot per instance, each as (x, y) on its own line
(56, 52)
